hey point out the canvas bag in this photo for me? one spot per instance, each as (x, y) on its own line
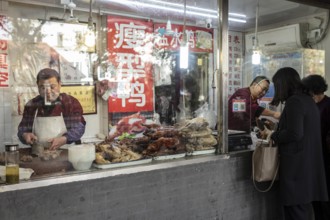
(265, 164)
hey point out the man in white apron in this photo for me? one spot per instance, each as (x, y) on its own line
(51, 119)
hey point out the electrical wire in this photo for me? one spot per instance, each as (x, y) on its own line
(256, 43)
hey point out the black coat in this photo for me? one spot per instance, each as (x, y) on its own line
(302, 177)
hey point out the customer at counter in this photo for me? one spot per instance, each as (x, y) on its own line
(301, 171)
(244, 108)
(51, 119)
(316, 86)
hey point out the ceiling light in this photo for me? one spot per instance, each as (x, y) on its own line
(72, 19)
(90, 38)
(174, 7)
(256, 57)
(184, 47)
(237, 20)
(237, 15)
(169, 30)
(184, 55)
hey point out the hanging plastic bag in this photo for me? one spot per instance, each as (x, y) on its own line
(206, 112)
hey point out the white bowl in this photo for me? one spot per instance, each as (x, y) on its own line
(81, 156)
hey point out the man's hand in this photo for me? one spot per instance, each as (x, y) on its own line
(30, 138)
(57, 142)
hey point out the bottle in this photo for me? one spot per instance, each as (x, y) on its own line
(12, 163)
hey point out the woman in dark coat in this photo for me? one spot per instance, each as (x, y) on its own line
(302, 177)
(317, 86)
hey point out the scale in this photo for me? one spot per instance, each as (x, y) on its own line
(238, 140)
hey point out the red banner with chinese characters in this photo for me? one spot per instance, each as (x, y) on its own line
(130, 47)
(199, 39)
(4, 67)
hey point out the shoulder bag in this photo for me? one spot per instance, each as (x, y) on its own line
(265, 164)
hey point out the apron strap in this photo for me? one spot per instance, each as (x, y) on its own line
(34, 118)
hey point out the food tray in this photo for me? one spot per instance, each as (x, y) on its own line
(122, 164)
(169, 157)
(202, 152)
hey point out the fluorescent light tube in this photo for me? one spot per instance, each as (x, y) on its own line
(174, 7)
(184, 56)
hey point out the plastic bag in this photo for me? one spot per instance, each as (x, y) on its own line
(206, 112)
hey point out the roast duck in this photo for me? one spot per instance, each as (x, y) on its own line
(152, 140)
(140, 141)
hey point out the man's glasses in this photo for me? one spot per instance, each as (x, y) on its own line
(264, 89)
(51, 86)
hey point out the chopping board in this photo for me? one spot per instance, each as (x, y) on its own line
(40, 167)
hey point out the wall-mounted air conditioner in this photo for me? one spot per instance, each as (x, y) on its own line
(290, 36)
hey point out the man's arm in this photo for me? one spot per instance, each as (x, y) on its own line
(267, 112)
(74, 120)
(24, 130)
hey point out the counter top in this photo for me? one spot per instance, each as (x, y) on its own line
(93, 173)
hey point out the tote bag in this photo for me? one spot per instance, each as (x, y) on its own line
(265, 164)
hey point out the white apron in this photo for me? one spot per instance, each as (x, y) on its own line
(46, 128)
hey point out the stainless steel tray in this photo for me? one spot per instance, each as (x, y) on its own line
(169, 157)
(122, 164)
(202, 152)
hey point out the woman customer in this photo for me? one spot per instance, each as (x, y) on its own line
(316, 86)
(302, 177)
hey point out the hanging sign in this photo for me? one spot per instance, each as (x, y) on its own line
(4, 63)
(130, 45)
(199, 39)
(235, 61)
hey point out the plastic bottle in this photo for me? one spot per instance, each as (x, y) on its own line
(12, 163)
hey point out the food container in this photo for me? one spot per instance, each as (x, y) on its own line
(81, 156)
(24, 173)
(12, 163)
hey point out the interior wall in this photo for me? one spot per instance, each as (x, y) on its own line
(314, 23)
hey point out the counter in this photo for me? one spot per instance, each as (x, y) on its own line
(203, 187)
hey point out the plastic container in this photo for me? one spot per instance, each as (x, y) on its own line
(81, 156)
(12, 163)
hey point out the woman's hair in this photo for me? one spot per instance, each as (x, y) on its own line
(287, 82)
(315, 84)
(48, 73)
(259, 79)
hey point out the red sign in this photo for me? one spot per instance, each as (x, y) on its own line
(199, 39)
(130, 47)
(4, 67)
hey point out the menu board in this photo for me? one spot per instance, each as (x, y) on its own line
(235, 61)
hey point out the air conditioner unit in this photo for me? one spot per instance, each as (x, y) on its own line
(290, 36)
